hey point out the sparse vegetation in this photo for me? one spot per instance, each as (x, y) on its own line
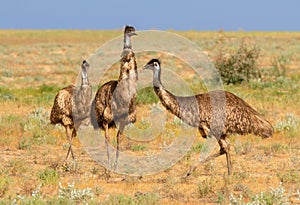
(280, 66)
(3, 185)
(276, 196)
(138, 147)
(243, 148)
(204, 188)
(290, 123)
(71, 194)
(36, 64)
(139, 198)
(48, 176)
(291, 176)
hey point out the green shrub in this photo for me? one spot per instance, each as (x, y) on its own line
(236, 65)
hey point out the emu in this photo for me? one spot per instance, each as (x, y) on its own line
(215, 114)
(72, 106)
(114, 102)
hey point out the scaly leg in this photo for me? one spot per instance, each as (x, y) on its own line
(106, 141)
(224, 149)
(120, 132)
(70, 138)
(70, 150)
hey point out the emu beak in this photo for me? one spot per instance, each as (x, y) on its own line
(134, 34)
(147, 67)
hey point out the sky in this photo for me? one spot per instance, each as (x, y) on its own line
(209, 15)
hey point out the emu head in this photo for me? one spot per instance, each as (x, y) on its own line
(85, 65)
(153, 64)
(129, 30)
(84, 73)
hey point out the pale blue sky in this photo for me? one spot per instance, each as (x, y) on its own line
(230, 15)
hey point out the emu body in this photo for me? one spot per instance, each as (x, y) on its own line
(72, 106)
(215, 113)
(114, 103)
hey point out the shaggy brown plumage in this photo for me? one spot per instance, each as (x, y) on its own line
(114, 101)
(215, 113)
(72, 106)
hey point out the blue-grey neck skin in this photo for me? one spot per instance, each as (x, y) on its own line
(156, 77)
(127, 42)
(84, 77)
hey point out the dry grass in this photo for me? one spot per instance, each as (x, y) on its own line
(36, 64)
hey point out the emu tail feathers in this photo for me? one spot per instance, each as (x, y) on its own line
(262, 127)
(54, 119)
(93, 116)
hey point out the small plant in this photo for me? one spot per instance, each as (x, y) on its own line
(240, 175)
(139, 198)
(289, 177)
(72, 166)
(289, 123)
(277, 147)
(204, 188)
(119, 199)
(7, 74)
(143, 124)
(197, 147)
(146, 198)
(36, 193)
(280, 65)
(48, 176)
(245, 191)
(276, 196)
(3, 185)
(76, 195)
(138, 147)
(6, 94)
(17, 166)
(35, 198)
(36, 120)
(25, 143)
(221, 198)
(243, 147)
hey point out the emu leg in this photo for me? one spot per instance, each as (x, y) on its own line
(106, 141)
(120, 132)
(70, 138)
(70, 144)
(224, 149)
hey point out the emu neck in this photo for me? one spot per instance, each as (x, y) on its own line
(167, 99)
(127, 42)
(156, 78)
(84, 78)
